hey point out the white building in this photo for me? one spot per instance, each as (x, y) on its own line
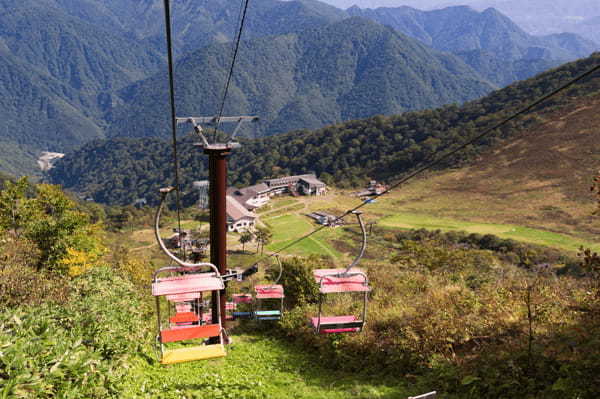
(238, 217)
(250, 197)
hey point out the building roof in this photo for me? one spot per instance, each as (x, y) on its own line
(312, 180)
(242, 195)
(236, 211)
(287, 180)
(258, 188)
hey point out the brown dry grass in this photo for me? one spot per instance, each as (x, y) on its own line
(539, 179)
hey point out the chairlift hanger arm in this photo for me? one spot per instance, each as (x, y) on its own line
(163, 193)
(245, 273)
(198, 129)
(198, 121)
(363, 245)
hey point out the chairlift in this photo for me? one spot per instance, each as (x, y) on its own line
(187, 282)
(333, 281)
(184, 287)
(265, 295)
(244, 300)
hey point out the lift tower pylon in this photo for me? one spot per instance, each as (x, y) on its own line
(217, 176)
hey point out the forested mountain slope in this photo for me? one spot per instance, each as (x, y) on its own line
(488, 41)
(197, 23)
(119, 171)
(350, 69)
(38, 113)
(58, 74)
(86, 57)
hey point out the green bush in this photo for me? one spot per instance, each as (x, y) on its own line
(79, 349)
(298, 280)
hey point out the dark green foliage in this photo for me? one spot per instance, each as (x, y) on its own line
(298, 280)
(518, 253)
(78, 349)
(120, 171)
(197, 23)
(350, 69)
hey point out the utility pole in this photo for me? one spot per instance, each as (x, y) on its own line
(217, 177)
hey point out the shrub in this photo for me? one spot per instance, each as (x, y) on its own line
(298, 280)
(79, 349)
(20, 283)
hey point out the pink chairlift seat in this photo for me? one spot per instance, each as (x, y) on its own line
(335, 320)
(187, 284)
(269, 291)
(331, 284)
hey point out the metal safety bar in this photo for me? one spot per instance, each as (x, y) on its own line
(164, 192)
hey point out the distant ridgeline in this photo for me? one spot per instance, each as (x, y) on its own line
(346, 70)
(487, 41)
(95, 68)
(120, 171)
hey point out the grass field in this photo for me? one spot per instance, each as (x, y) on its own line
(287, 228)
(406, 220)
(256, 367)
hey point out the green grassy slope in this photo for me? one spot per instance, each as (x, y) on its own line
(257, 367)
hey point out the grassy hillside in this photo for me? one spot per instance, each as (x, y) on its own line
(466, 315)
(539, 178)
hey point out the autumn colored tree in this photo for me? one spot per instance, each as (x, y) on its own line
(65, 238)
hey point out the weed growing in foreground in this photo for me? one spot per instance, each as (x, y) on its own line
(79, 349)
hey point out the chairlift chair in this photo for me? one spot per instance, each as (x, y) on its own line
(193, 284)
(185, 284)
(333, 281)
(241, 299)
(266, 294)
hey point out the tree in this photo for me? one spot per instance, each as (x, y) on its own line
(16, 210)
(63, 236)
(263, 237)
(245, 237)
(61, 231)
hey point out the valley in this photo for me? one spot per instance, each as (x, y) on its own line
(477, 277)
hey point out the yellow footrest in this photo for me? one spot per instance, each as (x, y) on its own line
(195, 353)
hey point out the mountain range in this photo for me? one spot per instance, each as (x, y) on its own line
(119, 171)
(537, 17)
(488, 41)
(95, 68)
(350, 69)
